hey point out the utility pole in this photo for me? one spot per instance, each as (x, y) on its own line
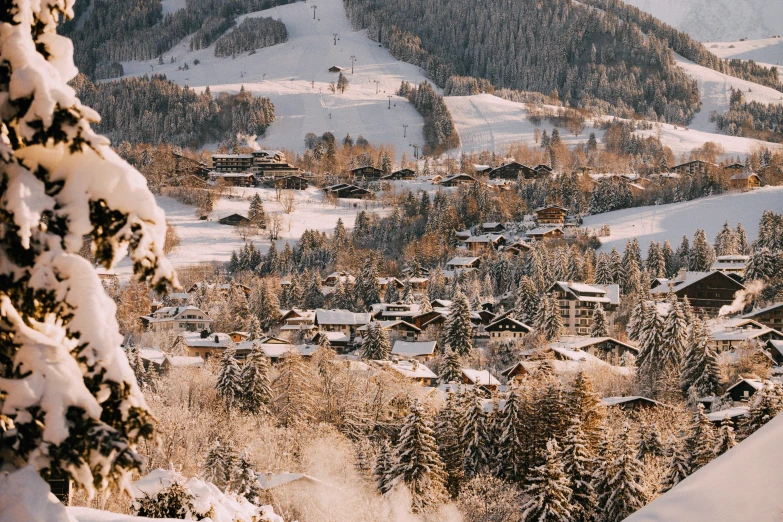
(376, 86)
(389, 96)
(353, 60)
(404, 130)
(335, 38)
(314, 8)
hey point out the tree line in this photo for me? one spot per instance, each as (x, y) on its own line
(251, 34)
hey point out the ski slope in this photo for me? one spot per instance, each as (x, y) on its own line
(718, 20)
(294, 75)
(743, 484)
(661, 222)
(206, 241)
(766, 51)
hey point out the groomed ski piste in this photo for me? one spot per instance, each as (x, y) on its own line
(294, 75)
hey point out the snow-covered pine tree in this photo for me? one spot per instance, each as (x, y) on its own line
(511, 448)
(585, 404)
(548, 490)
(670, 259)
(417, 463)
(656, 264)
(677, 464)
(67, 390)
(375, 343)
(448, 433)
(700, 444)
(624, 494)
(391, 295)
(384, 464)
(244, 480)
(726, 243)
(475, 436)
(527, 299)
(616, 263)
(743, 247)
(368, 290)
(650, 444)
(137, 365)
(407, 296)
(254, 380)
(603, 270)
(228, 385)
(256, 213)
(458, 330)
(292, 392)
(702, 255)
(638, 313)
(764, 406)
(761, 265)
(578, 462)
(548, 321)
(650, 360)
(313, 295)
(700, 373)
(683, 254)
(726, 438)
(452, 369)
(675, 335)
(220, 464)
(600, 326)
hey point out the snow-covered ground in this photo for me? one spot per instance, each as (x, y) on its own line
(662, 222)
(204, 241)
(765, 51)
(294, 75)
(714, 20)
(742, 484)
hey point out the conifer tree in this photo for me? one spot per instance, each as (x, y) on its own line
(700, 444)
(585, 404)
(548, 490)
(638, 313)
(417, 463)
(677, 465)
(616, 264)
(220, 464)
(448, 432)
(511, 448)
(700, 373)
(624, 494)
(764, 406)
(548, 321)
(368, 291)
(254, 379)
(578, 462)
(650, 444)
(292, 392)
(452, 370)
(137, 365)
(256, 214)
(675, 335)
(670, 259)
(656, 263)
(743, 247)
(600, 326)
(726, 242)
(391, 295)
(254, 330)
(527, 301)
(603, 270)
(70, 403)
(702, 255)
(650, 360)
(726, 438)
(458, 330)
(384, 464)
(375, 344)
(245, 480)
(475, 436)
(228, 385)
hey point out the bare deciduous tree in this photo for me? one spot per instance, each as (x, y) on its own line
(274, 226)
(288, 200)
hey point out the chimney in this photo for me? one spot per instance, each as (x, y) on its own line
(681, 274)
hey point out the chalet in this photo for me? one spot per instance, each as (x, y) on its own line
(395, 311)
(727, 334)
(418, 284)
(744, 389)
(457, 179)
(232, 162)
(296, 320)
(542, 170)
(235, 220)
(633, 402)
(462, 235)
(177, 319)
(734, 167)
(577, 302)
(519, 248)
(481, 169)
(418, 350)
(544, 233)
(507, 328)
(412, 370)
(345, 190)
(492, 226)
(734, 414)
(479, 378)
(706, 291)
(744, 181)
(400, 174)
(551, 215)
(238, 337)
(337, 277)
(691, 168)
(292, 182)
(336, 69)
(204, 346)
(770, 316)
(607, 349)
(511, 170)
(160, 362)
(339, 325)
(463, 263)
(731, 264)
(484, 242)
(274, 348)
(395, 329)
(234, 179)
(366, 172)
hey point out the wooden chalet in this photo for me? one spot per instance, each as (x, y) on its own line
(336, 69)
(770, 316)
(235, 179)
(519, 248)
(507, 328)
(234, 220)
(485, 241)
(366, 172)
(492, 226)
(480, 378)
(457, 179)
(744, 181)
(400, 174)
(511, 170)
(345, 190)
(395, 329)
(744, 389)
(463, 263)
(291, 183)
(706, 291)
(734, 167)
(633, 402)
(542, 233)
(542, 170)
(417, 350)
(551, 215)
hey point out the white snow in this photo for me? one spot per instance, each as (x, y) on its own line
(713, 20)
(172, 6)
(672, 221)
(742, 484)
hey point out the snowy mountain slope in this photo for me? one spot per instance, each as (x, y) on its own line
(295, 76)
(742, 484)
(672, 221)
(718, 20)
(204, 241)
(767, 51)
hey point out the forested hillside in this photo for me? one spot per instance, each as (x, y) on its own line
(121, 30)
(588, 57)
(155, 110)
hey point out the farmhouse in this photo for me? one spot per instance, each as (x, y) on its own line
(400, 174)
(344, 190)
(745, 181)
(366, 172)
(234, 220)
(543, 233)
(457, 179)
(551, 215)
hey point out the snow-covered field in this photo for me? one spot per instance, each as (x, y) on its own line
(204, 241)
(714, 20)
(662, 222)
(766, 51)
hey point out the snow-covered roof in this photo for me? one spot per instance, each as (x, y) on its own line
(760, 311)
(462, 261)
(755, 383)
(232, 156)
(484, 238)
(213, 340)
(744, 175)
(614, 401)
(540, 231)
(385, 325)
(267, 481)
(690, 278)
(480, 377)
(409, 369)
(271, 347)
(183, 361)
(413, 348)
(737, 329)
(169, 313)
(341, 317)
(579, 343)
(511, 319)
